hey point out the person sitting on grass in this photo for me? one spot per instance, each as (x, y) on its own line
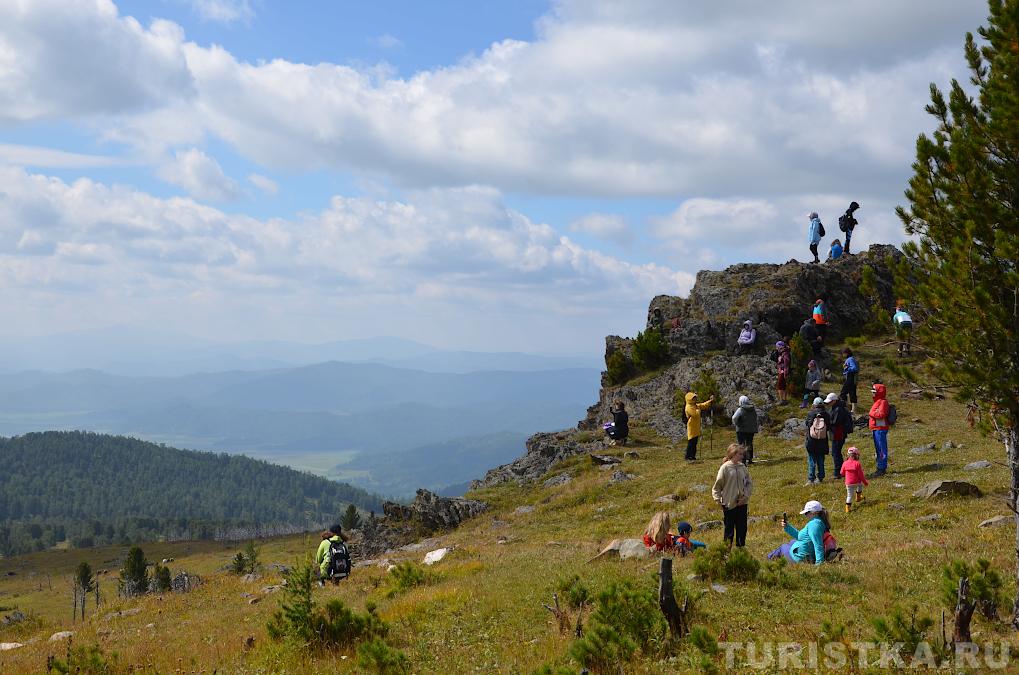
(809, 543)
(619, 430)
(855, 480)
(684, 544)
(657, 536)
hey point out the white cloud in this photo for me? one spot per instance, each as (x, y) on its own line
(224, 11)
(78, 58)
(440, 251)
(200, 175)
(608, 226)
(264, 183)
(35, 156)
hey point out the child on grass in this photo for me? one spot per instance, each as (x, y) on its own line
(855, 480)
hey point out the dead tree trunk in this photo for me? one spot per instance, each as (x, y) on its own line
(559, 614)
(963, 613)
(674, 614)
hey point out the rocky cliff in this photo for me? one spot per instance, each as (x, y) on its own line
(701, 332)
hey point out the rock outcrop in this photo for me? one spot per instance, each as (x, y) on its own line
(775, 297)
(701, 332)
(434, 512)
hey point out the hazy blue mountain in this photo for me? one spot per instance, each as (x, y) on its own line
(459, 461)
(314, 417)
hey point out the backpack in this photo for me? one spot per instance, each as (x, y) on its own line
(847, 421)
(820, 229)
(893, 415)
(773, 355)
(844, 222)
(339, 560)
(818, 428)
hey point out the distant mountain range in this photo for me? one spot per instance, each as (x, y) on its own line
(133, 351)
(387, 428)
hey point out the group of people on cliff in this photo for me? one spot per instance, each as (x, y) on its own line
(815, 232)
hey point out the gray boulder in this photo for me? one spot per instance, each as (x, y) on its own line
(709, 525)
(605, 460)
(929, 519)
(555, 481)
(923, 449)
(621, 477)
(997, 521)
(979, 464)
(792, 429)
(668, 499)
(946, 488)
(633, 548)
(544, 451)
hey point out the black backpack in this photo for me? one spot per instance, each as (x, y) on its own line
(893, 415)
(820, 228)
(339, 560)
(844, 222)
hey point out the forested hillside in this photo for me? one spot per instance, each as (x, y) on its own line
(94, 489)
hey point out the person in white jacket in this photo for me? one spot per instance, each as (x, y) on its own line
(731, 491)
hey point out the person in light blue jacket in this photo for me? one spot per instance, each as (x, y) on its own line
(814, 234)
(807, 544)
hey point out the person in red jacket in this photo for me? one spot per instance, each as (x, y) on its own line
(855, 480)
(879, 425)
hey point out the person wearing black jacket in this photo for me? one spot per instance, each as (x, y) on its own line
(817, 448)
(848, 223)
(620, 423)
(810, 335)
(841, 426)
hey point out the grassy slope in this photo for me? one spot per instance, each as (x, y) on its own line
(482, 610)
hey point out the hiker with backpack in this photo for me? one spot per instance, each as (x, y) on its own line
(851, 373)
(693, 423)
(841, 427)
(814, 542)
(332, 556)
(882, 416)
(783, 359)
(746, 423)
(814, 233)
(903, 328)
(855, 480)
(847, 223)
(731, 491)
(818, 426)
(619, 429)
(747, 339)
(812, 383)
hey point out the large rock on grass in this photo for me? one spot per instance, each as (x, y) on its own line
(544, 451)
(947, 488)
(435, 512)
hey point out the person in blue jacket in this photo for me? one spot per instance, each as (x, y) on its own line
(835, 252)
(807, 544)
(851, 373)
(814, 234)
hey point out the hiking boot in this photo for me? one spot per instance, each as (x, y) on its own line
(848, 507)
(804, 404)
(859, 496)
(810, 482)
(878, 473)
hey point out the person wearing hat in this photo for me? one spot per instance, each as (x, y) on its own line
(814, 233)
(851, 371)
(784, 361)
(807, 544)
(731, 491)
(693, 422)
(746, 423)
(841, 427)
(818, 427)
(855, 479)
(903, 328)
(684, 544)
(879, 426)
(747, 339)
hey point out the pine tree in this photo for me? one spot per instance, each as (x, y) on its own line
(964, 211)
(134, 578)
(84, 583)
(351, 519)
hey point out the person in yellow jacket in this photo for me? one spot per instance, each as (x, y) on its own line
(693, 423)
(333, 534)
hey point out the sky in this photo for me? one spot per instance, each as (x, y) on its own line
(503, 175)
